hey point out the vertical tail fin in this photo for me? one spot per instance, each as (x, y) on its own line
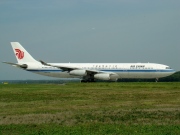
(21, 54)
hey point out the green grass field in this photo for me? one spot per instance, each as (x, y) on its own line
(90, 109)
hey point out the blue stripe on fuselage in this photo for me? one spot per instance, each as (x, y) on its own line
(115, 70)
(138, 70)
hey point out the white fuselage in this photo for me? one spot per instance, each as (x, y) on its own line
(124, 70)
(88, 72)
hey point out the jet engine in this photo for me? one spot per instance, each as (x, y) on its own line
(106, 77)
(78, 72)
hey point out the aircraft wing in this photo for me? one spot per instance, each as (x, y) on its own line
(69, 68)
(65, 68)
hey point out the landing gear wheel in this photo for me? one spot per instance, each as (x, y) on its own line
(156, 80)
(83, 81)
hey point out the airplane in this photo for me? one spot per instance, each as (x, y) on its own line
(89, 72)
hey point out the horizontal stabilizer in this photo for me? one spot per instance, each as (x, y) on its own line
(17, 65)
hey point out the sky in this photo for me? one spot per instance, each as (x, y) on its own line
(89, 31)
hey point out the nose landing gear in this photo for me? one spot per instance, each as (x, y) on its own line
(156, 79)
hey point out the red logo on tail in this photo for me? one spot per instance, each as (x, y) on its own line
(19, 54)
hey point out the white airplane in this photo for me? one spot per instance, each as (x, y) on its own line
(88, 72)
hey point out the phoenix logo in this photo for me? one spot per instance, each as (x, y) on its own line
(19, 54)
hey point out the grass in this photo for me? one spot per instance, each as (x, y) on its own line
(90, 108)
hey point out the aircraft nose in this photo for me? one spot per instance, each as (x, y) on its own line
(172, 72)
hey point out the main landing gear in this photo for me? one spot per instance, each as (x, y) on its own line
(86, 81)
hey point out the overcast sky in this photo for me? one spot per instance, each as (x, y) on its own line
(80, 31)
